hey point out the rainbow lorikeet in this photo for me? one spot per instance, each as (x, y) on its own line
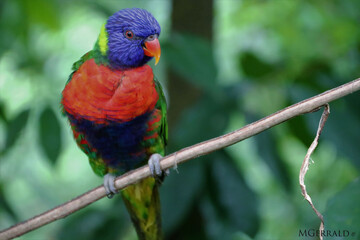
(117, 111)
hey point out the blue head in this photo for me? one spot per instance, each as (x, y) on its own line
(130, 38)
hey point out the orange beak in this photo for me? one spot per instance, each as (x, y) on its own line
(152, 49)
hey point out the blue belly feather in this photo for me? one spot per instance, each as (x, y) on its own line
(118, 144)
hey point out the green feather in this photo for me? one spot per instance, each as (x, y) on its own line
(143, 203)
(161, 104)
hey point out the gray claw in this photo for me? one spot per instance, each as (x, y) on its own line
(154, 164)
(109, 185)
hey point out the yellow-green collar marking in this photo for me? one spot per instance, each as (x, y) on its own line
(103, 40)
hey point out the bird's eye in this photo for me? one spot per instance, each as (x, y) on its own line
(129, 34)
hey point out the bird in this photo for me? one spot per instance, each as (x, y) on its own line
(118, 114)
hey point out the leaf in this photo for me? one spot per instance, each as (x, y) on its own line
(6, 205)
(43, 12)
(2, 112)
(254, 67)
(343, 130)
(93, 224)
(313, 73)
(342, 213)
(236, 205)
(179, 192)
(267, 148)
(300, 130)
(50, 134)
(191, 57)
(185, 229)
(204, 120)
(15, 128)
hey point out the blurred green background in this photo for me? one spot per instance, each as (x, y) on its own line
(224, 64)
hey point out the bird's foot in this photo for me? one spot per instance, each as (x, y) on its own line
(109, 185)
(155, 167)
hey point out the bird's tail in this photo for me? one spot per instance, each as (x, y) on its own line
(143, 203)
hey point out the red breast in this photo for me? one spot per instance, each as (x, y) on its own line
(98, 93)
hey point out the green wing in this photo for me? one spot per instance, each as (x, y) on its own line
(161, 104)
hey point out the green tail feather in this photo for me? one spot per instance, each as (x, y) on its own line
(143, 203)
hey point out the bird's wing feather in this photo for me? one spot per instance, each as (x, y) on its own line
(162, 106)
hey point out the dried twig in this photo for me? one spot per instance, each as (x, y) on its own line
(183, 155)
(306, 162)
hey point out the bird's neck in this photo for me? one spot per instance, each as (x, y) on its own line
(99, 55)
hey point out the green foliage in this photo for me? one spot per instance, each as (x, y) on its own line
(177, 202)
(254, 67)
(43, 13)
(2, 112)
(343, 212)
(6, 206)
(95, 224)
(267, 145)
(192, 57)
(265, 55)
(15, 128)
(233, 203)
(50, 135)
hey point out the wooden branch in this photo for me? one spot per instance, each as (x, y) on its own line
(206, 147)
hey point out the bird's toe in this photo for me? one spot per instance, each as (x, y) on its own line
(109, 185)
(154, 165)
